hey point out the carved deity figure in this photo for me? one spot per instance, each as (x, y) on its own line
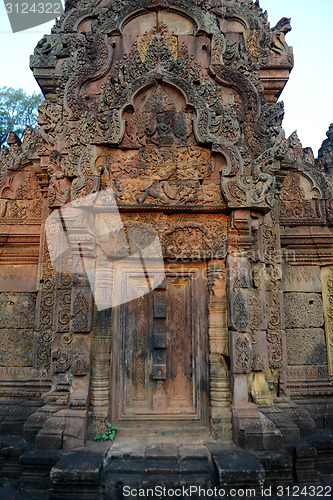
(152, 189)
(168, 192)
(59, 187)
(161, 134)
(131, 132)
(210, 194)
(48, 118)
(263, 184)
(14, 143)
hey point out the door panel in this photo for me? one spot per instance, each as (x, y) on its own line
(138, 322)
(160, 348)
(181, 376)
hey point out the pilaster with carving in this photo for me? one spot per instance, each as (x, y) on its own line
(101, 353)
(218, 351)
(249, 334)
(327, 283)
(71, 341)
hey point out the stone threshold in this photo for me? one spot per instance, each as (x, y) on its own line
(101, 471)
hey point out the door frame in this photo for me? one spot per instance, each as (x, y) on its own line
(200, 352)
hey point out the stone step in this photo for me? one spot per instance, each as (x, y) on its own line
(100, 471)
(36, 469)
(300, 417)
(323, 444)
(77, 473)
(289, 430)
(13, 424)
(305, 455)
(236, 467)
(167, 465)
(278, 466)
(11, 447)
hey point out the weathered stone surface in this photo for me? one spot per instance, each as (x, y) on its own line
(17, 310)
(305, 463)
(325, 157)
(306, 346)
(289, 430)
(77, 467)
(16, 347)
(303, 310)
(164, 451)
(327, 279)
(11, 450)
(234, 467)
(278, 466)
(36, 469)
(14, 422)
(19, 277)
(301, 279)
(301, 417)
(193, 452)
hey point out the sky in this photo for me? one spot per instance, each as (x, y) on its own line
(308, 95)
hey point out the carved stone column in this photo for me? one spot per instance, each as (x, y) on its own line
(218, 352)
(49, 300)
(101, 346)
(65, 414)
(327, 281)
(276, 336)
(247, 339)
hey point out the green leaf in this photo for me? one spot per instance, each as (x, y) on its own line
(108, 434)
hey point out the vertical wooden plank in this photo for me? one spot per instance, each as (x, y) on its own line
(138, 350)
(179, 352)
(200, 335)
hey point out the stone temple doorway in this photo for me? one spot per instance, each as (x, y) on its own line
(160, 344)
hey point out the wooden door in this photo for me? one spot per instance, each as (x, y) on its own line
(160, 348)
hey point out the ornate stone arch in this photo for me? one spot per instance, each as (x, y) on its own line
(192, 99)
(115, 16)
